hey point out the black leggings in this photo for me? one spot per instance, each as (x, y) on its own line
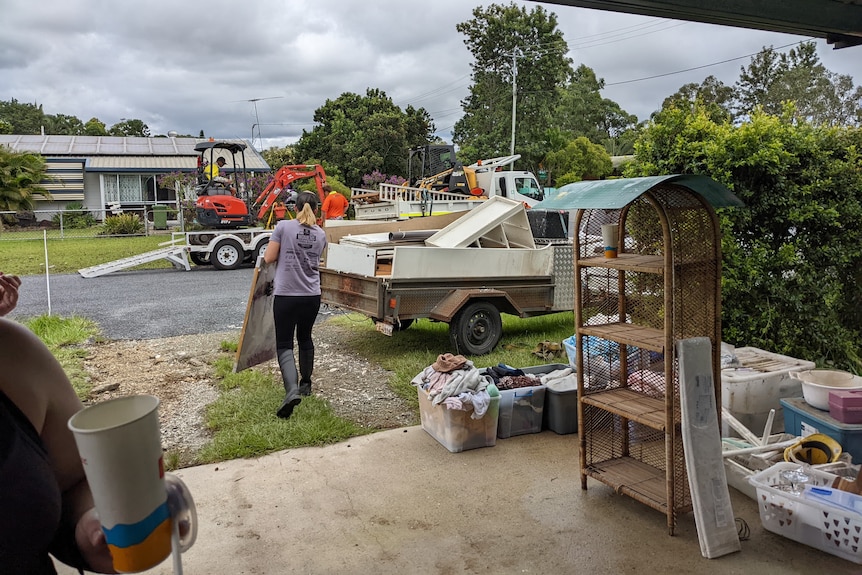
(294, 314)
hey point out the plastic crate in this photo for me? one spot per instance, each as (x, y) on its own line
(521, 411)
(803, 518)
(561, 410)
(750, 391)
(455, 429)
(802, 419)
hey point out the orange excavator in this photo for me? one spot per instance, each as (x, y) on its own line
(220, 206)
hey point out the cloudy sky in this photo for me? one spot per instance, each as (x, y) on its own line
(189, 66)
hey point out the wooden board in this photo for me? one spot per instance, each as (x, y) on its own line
(704, 461)
(257, 338)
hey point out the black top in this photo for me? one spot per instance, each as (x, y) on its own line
(30, 499)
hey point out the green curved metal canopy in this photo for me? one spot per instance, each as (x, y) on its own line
(613, 194)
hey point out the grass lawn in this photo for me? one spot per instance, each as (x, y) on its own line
(27, 257)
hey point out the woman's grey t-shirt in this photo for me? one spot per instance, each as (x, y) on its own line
(298, 267)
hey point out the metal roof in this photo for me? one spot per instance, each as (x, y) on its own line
(111, 153)
(839, 21)
(615, 194)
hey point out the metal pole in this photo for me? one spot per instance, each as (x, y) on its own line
(47, 273)
(514, 102)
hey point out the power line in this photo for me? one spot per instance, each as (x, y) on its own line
(704, 66)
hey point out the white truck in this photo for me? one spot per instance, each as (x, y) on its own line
(484, 181)
(484, 263)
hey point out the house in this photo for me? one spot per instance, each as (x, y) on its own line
(102, 171)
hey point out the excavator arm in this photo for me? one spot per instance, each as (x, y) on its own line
(283, 178)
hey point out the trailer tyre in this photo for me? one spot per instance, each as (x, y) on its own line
(258, 251)
(476, 329)
(200, 258)
(227, 255)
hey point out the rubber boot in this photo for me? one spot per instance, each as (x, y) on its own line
(291, 387)
(306, 366)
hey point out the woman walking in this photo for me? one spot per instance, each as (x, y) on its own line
(296, 245)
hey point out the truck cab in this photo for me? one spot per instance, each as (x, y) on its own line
(485, 178)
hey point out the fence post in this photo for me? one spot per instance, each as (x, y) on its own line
(47, 272)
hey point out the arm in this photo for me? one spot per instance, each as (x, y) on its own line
(270, 254)
(8, 293)
(35, 381)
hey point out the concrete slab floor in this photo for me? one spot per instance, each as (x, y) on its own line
(397, 502)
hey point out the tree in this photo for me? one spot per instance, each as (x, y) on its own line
(5, 127)
(503, 40)
(579, 160)
(95, 127)
(20, 174)
(583, 111)
(359, 134)
(792, 257)
(25, 118)
(130, 128)
(63, 125)
(712, 93)
(278, 157)
(820, 96)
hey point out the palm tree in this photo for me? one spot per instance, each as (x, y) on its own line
(20, 177)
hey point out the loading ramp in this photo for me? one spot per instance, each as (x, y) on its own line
(177, 255)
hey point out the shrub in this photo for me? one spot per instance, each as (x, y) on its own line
(122, 225)
(74, 216)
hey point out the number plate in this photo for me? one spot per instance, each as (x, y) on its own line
(384, 328)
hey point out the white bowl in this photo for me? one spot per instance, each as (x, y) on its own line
(817, 383)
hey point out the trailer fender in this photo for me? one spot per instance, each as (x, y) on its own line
(450, 305)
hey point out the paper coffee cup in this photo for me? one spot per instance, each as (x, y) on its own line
(121, 450)
(610, 237)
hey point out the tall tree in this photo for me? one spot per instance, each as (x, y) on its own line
(820, 96)
(712, 94)
(25, 118)
(130, 128)
(579, 160)
(95, 127)
(584, 112)
(360, 134)
(511, 45)
(64, 125)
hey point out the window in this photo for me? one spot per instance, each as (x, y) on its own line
(125, 188)
(529, 187)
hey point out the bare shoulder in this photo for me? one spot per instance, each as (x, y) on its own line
(32, 377)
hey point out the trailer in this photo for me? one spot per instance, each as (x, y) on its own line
(223, 249)
(483, 264)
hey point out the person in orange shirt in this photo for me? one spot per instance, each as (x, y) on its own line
(334, 205)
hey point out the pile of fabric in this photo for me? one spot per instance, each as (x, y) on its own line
(455, 382)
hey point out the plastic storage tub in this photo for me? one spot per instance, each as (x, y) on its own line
(521, 411)
(751, 390)
(456, 430)
(806, 519)
(802, 419)
(561, 410)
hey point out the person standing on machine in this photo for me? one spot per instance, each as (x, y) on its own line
(296, 246)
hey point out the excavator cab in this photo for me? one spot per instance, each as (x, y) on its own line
(222, 200)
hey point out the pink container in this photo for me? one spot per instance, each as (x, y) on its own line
(845, 405)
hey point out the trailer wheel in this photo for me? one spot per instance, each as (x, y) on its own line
(476, 329)
(200, 258)
(227, 255)
(258, 251)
